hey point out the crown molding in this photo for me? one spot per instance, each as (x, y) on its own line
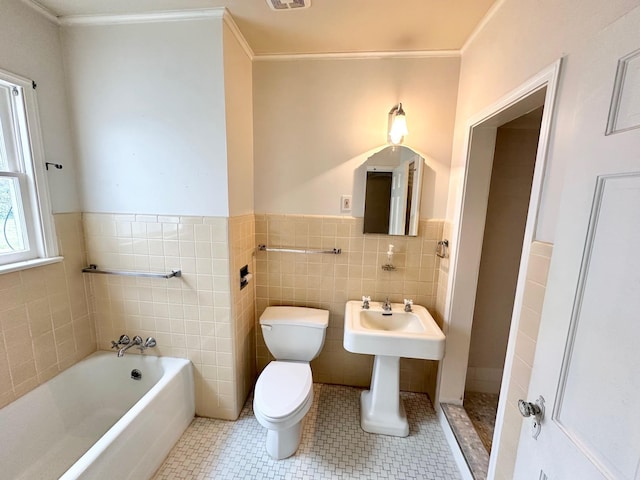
(483, 23)
(46, 13)
(119, 19)
(230, 22)
(358, 55)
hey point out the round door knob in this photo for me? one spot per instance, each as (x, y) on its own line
(528, 409)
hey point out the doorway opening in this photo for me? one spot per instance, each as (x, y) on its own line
(509, 193)
(511, 168)
(490, 135)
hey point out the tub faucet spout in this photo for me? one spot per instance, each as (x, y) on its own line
(137, 340)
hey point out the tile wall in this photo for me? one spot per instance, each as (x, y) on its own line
(191, 316)
(45, 325)
(242, 240)
(328, 281)
(48, 325)
(538, 270)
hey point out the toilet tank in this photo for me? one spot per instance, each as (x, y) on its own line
(294, 333)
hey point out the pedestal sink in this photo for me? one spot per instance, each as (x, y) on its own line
(389, 336)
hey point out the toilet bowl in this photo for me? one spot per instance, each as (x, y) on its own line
(283, 396)
(284, 390)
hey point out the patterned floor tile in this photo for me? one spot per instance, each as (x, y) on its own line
(482, 408)
(333, 445)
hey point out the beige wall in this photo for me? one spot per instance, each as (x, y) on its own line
(44, 316)
(518, 41)
(529, 36)
(238, 102)
(511, 177)
(315, 120)
(536, 280)
(191, 316)
(328, 281)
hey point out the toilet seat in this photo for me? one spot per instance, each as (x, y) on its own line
(283, 389)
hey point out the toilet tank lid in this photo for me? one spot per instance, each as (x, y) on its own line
(301, 316)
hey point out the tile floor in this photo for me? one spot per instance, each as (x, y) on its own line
(333, 445)
(482, 409)
(473, 426)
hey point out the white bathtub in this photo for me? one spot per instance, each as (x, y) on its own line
(94, 422)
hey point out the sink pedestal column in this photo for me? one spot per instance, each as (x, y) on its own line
(381, 409)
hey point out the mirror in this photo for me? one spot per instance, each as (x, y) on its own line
(392, 191)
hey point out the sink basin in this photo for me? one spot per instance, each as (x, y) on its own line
(396, 333)
(389, 336)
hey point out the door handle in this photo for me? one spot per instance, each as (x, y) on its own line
(535, 410)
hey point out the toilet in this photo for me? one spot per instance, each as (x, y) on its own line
(284, 390)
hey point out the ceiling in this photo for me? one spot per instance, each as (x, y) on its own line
(328, 26)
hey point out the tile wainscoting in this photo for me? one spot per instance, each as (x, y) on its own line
(328, 281)
(190, 316)
(45, 326)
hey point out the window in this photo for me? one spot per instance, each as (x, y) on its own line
(26, 226)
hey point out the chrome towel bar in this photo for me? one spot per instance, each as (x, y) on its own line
(93, 268)
(264, 248)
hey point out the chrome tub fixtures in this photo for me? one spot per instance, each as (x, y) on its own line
(150, 342)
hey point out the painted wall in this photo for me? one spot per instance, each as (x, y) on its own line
(316, 121)
(45, 325)
(544, 32)
(238, 99)
(520, 39)
(30, 47)
(149, 115)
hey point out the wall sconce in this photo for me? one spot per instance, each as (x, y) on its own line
(397, 125)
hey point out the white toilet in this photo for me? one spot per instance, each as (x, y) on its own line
(284, 390)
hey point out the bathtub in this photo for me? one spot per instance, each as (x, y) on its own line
(93, 421)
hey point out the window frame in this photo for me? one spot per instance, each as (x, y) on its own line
(29, 170)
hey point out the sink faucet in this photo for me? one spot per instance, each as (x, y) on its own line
(386, 306)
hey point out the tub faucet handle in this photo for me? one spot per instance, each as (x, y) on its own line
(123, 340)
(150, 342)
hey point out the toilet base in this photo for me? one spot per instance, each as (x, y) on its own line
(284, 443)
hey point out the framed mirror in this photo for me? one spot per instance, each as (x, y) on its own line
(392, 191)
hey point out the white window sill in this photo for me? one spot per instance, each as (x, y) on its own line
(38, 262)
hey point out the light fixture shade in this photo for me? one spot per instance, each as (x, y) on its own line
(398, 125)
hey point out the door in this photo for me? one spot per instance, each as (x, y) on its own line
(587, 363)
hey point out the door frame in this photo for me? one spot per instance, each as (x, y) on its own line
(468, 230)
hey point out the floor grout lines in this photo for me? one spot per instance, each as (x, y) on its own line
(333, 445)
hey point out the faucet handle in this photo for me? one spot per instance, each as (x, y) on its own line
(365, 302)
(123, 340)
(150, 342)
(407, 305)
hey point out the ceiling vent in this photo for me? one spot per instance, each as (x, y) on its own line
(280, 5)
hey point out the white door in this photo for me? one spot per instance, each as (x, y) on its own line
(587, 363)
